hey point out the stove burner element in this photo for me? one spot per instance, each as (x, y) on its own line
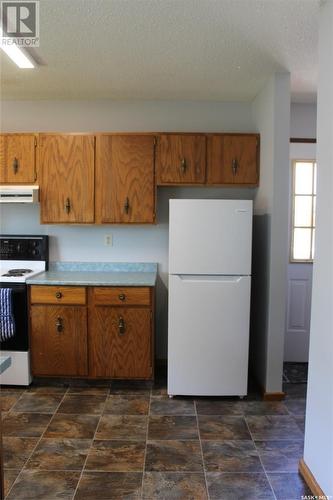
(19, 271)
(16, 273)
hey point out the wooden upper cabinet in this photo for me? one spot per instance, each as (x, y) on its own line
(18, 158)
(58, 340)
(125, 187)
(181, 159)
(233, 159)
(66, 169)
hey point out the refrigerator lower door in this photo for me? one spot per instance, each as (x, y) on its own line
(208, 337)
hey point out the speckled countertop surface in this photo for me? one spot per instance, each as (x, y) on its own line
(97, 274)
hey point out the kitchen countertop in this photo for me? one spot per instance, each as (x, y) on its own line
(5, 362)
(97, 274)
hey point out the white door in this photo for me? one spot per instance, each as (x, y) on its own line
(208, 339)
(299, 291)
(210, 237)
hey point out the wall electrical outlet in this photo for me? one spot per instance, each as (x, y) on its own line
(108, 240)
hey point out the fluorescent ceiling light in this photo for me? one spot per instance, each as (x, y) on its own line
(18, 56)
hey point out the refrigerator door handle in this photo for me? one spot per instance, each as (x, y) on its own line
(209, 278)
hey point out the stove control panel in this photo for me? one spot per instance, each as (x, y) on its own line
(14, 247)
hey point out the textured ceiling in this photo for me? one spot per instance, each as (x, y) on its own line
(168, 49)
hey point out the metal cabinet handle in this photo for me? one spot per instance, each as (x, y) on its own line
(126, 206)
(59, 325)
(121, 326)
(58, 295)
(68, 205)
(183, 165)
(15, 165)
(121, 296)
(234, 166)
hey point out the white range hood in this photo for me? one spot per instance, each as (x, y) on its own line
(19, 194)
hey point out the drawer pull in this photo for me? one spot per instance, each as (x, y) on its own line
(234, 166)
(121, 296)
(58, 295)
(121, 326)
(15, 165)
(126, 206)
(183, 165)
(68, 206)
(59, 325)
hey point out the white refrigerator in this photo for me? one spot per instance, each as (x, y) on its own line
(210, 245)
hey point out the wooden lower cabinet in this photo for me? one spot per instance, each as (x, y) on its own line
(110, 337)
(120, 342)
(58, 340)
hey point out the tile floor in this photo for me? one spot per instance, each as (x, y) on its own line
(132, 441)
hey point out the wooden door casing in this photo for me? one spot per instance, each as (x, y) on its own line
(59, 353)
(125, 179)
(18, 158)
(66, 168)
(181, 159)
(120, 355)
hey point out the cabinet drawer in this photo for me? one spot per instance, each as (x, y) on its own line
(44, 294)
(139, 296)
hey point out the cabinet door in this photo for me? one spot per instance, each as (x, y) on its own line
(58, 340)
(66, 165)
(17, 158)
(120, 342)
(181, 159)
(125, 187)
(233, 159)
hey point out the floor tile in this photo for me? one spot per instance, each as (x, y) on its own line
(38, 485)
(76, 403)
(127, 405)
(10, 476)
(295, 391)
(231, 456)
(296, 406)
(223, 427)
(72, 426)
(173, 485)
(238, 486)
(59, 454)
(9, 399)
(116, 456)
(130, 387)
(163, 405)
(98, 391)
(38, 403)
(109, 485)
(273, 427)
(25, 424)
(218, 407)
(288, 486)
(16, 451)
(159, 389)
(122, 427)
(47, 389)
(280, 456)
(300, 421)
(264, 408)
(172, 427)
(174, 456)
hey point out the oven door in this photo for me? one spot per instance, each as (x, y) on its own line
(20, 341)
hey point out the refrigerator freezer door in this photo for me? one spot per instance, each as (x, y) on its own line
(210, 237)
(208, 335)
